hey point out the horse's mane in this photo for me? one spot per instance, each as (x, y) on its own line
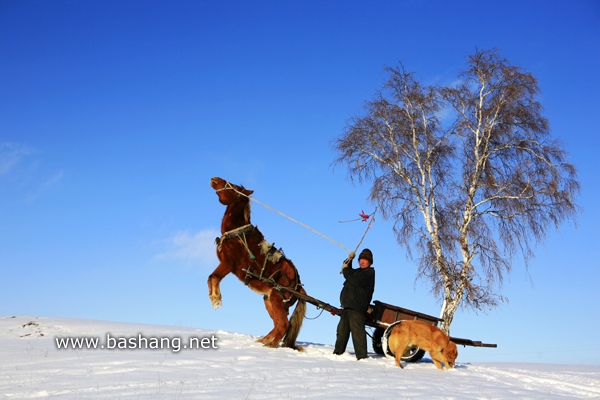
(247, 212)
(247, 208)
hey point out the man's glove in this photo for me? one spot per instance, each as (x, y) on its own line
(350, 257)
(347, 261)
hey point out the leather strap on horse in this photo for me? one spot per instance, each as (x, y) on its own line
(273, 281)
(236, 233)
(245, 242)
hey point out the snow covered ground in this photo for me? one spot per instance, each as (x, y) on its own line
(224, 365)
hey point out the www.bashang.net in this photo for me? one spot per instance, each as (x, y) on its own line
(139, 342)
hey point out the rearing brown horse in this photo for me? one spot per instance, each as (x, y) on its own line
(242, 246)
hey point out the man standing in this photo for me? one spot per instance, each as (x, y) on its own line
(355, 298)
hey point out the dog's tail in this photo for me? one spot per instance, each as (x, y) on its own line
(295, 324)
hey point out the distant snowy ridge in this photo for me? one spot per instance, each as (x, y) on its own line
(234, 366)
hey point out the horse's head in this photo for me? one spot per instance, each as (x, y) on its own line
(228, 192)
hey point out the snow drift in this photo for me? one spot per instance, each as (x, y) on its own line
(195, 363)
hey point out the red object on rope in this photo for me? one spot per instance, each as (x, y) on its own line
(364, 216)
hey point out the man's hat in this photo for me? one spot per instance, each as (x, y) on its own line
(367, 255)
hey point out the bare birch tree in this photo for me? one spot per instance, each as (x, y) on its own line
(470, 195)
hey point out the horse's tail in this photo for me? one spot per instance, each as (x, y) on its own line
(295, 324)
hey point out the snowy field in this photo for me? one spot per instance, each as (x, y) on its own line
(226, 365)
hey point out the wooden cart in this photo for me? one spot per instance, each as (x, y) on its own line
(382, 317)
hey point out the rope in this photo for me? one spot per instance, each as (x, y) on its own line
(351, 220)
(322, 309)
(296, 221)
(363, 217)
(245, 242)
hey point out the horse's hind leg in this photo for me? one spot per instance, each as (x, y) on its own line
(214, 280)
(279, 315)
(268, 338)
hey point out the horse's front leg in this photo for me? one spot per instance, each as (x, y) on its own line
(214, 280)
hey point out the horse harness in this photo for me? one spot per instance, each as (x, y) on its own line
(270, 252)
(238, 233)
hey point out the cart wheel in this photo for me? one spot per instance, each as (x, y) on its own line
(377, 346)
(413, 354)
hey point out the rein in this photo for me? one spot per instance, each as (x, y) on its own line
(352, 254)
(228, 186)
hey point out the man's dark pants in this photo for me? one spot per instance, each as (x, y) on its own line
(351, 322)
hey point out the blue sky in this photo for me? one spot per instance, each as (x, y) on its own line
(114, 115)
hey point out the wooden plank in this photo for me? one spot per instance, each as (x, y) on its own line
(309, 299)
(469, 342)
(381, 313)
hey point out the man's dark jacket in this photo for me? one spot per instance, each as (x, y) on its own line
(358, 288)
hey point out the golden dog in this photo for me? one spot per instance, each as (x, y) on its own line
(427, 337)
